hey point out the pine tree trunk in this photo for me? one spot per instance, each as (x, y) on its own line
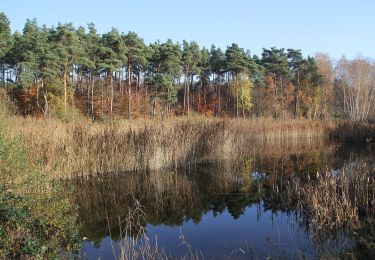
(205, 98)
(129, 91)
(65, 89)
(37, 96)
(237, 97)
(219, 90)
(73, 106)
(111, 87)
(154, 108)
(188, 99)
(138, 89)
(45, 105)
(88, 84)
(146, 94)
(92, 96)
(185, 89)
(282, 94)
(121, 85)
(4, 77)
(275, 93)
(102, 101)
(227, 97)
(8, 76)
(297, 97)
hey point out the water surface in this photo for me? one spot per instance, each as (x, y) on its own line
(233, 209)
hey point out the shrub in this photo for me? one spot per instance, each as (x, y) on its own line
(36, 221)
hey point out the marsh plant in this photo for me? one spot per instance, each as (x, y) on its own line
(78, 148)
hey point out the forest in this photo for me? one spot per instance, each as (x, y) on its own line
(52, 72)
(103, 132)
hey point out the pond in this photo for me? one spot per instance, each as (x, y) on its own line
(233, 209)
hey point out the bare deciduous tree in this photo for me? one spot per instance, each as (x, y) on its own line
(357, 79)
(325, 70)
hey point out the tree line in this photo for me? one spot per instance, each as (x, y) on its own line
(53, 71)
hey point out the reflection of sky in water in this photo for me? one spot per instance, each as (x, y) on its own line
(258, 175)
(102, 251)
(221, 236)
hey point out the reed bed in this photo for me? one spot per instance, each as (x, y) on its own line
(354, 132)
(334, 200)
(85, 147)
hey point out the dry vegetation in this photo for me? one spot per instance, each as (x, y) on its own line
(83, 147)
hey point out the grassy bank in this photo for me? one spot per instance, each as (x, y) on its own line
(37, 220)
(85, 147)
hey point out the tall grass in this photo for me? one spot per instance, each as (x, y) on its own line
(82, 148)
(335, 199)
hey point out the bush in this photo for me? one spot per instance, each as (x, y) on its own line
(36, 221)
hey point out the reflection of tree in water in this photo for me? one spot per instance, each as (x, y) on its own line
(172, 198)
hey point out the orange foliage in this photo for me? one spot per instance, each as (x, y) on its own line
(269, 80)
(206, 107)
(26, 100)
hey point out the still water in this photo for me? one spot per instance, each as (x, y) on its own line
(236, 209)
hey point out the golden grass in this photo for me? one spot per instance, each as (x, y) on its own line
(84, 147)
(334, 200)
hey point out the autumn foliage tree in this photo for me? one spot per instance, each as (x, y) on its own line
(56, 71)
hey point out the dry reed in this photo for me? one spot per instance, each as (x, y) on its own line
(83, 147)
(334, 200)
(135, 244)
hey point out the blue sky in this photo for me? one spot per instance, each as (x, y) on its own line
(331, 26)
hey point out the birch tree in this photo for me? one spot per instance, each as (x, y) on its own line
(357, 80)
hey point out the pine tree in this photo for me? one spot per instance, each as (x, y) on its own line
(113, 56)
(217, 65)
(90, 64)
(165, 61)
(68, 48)
(191, 55)
(296, 64)
(135, 57)
(204, 75)
(5, 45)
(275, 62)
